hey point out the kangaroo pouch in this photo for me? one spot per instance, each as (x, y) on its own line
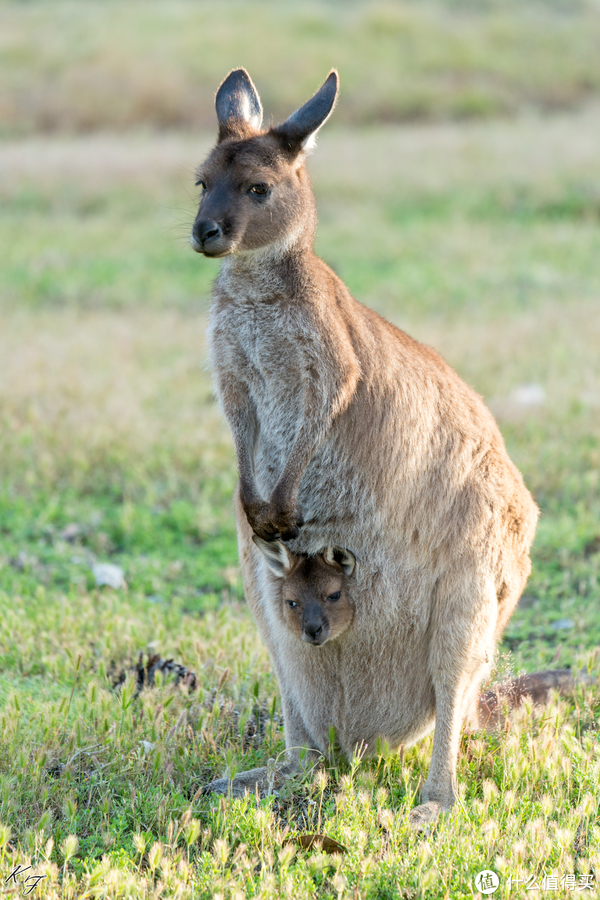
(365, 690)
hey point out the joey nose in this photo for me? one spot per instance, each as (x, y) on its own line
(313, 630)
(206, 230)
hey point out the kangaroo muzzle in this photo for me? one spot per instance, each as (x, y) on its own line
(315, 627)
(207, 238)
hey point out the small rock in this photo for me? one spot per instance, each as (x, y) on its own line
(529, 395)
(109, 575)
(562, 624)
(71, 532)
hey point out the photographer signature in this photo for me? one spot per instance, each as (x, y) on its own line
(18, 873)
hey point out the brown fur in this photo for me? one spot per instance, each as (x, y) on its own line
(348, 432)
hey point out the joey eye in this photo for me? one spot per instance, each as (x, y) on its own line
(201, 184)
(292, 604)
(259, 189)
(335, 596)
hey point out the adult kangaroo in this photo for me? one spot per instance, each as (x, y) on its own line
(348, 433)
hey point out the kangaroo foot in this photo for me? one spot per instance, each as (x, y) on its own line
(264, 780)
(425, 815)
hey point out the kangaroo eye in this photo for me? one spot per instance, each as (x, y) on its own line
(335, 596)
(201, 184)
(292, 604)
(259, 188)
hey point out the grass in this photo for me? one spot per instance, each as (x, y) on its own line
(480, 238)
(102, 64)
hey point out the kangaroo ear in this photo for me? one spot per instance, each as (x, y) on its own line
(238, 104)
(278, 557)
(341, 556)
(300, 130)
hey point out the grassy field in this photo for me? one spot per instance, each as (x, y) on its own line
(108, 64)
(483, 241)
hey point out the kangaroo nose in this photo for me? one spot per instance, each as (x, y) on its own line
(313, 630)
(205, 230)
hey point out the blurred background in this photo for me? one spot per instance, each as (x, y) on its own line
(458, 188)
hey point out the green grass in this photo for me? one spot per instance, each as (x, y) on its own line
(480, 238)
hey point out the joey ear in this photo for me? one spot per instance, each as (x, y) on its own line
(237, 103)
(278, 557)
(343, 557)
(300, 130)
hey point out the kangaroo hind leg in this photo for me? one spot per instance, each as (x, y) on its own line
(460, 656)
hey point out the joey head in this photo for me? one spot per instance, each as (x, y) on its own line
(315, 600)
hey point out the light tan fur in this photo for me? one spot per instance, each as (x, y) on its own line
(350, 433)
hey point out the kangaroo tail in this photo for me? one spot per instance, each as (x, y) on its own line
(494, 704)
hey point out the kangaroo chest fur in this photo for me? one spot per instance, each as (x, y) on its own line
(259, 339)
(414, 462)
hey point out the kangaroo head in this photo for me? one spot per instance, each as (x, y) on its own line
(315, 602)
(255, 188)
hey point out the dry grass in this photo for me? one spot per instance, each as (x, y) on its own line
(441, 157)
(434, 158)
(83, 392)
(101, 161)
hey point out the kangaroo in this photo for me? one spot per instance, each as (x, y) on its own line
(349, 433)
